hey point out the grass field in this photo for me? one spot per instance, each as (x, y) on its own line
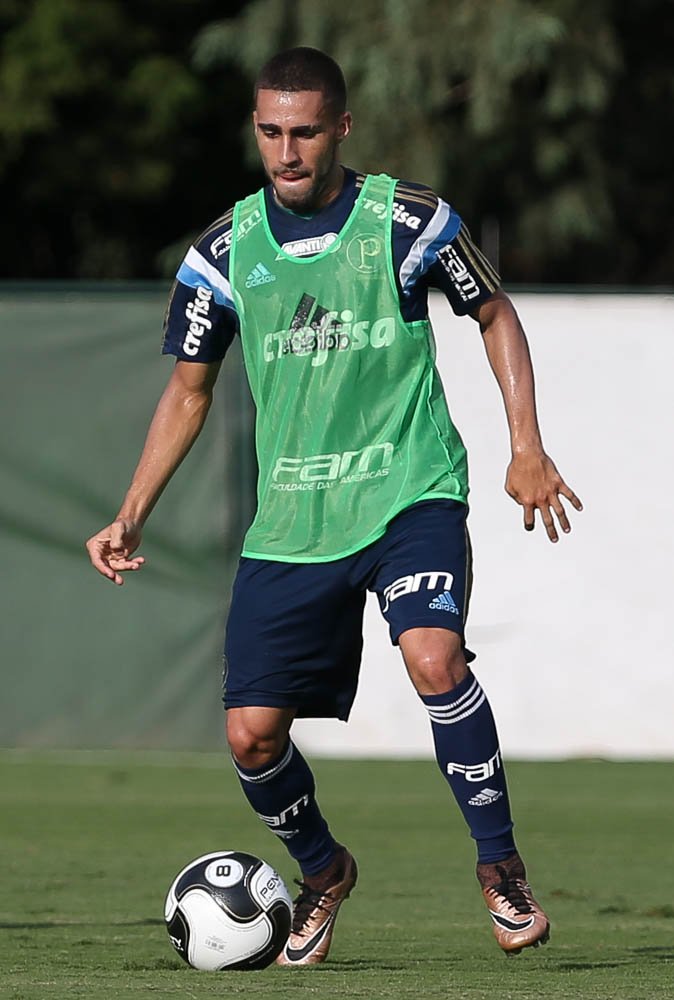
(90, 842)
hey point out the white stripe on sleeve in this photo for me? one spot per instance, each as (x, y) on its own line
(214, 278)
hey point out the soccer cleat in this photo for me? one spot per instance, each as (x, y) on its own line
(519, 921)
(314, 914)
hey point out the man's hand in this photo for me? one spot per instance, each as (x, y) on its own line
(110, 550)
(533, 481)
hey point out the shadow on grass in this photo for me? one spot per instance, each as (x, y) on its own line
(588, 966)
(657, 951)
(369, 965)
(158, 965)
(57, 924)
(636, 956)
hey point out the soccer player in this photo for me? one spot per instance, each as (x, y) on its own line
(324, 276)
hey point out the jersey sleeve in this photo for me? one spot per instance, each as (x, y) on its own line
(462, 272)
(201, 319)
(439, 253)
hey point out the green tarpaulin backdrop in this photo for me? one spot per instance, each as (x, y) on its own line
(85, 663)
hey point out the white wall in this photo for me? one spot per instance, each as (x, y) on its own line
(574, 640)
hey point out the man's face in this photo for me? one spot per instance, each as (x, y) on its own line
(298, 136)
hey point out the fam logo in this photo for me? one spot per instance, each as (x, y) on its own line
(322, 472)
(364, 253)
(276, 824)
(316, 332)
(414, 582)
(223, 243)
(462, 279)
(197, 313)
(477, 772)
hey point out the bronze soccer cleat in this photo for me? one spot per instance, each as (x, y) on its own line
(315, 911)
(519, 921)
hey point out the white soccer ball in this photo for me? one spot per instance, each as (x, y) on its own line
(228, 910)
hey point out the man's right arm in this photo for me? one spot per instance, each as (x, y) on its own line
(175, 426)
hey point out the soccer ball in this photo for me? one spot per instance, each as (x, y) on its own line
(228, 910)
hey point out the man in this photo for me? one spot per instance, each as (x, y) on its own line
(362, 476)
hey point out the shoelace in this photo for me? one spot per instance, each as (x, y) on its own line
(513, 889)
(307, 900)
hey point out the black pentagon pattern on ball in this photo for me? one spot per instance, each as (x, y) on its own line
(234, 900)
(179, 933)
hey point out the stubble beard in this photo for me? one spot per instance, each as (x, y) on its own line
(310, 200)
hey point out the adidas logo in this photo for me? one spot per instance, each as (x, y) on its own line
(444, 602)
(485, 797)
(260, 275)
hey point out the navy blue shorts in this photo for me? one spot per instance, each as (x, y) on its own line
(295, 630)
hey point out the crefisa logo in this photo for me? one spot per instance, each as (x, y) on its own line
(334, 332)
(197, 313)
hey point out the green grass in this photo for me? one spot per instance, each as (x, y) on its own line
(90, 842)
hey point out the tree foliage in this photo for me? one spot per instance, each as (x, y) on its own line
(103, 128)
(123, 124)
(493, 102)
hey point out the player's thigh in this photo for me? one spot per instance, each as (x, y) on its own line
(423, 574)
(294, 637)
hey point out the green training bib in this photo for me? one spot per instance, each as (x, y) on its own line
(352, 425)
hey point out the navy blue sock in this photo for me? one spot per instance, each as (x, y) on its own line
(283, 795)
(467, 750)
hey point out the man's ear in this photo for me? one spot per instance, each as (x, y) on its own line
(344, 127)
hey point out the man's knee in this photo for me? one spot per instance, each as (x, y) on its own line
(256, 735)
(434, 659)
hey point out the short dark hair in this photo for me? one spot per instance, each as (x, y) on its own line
(303, 68)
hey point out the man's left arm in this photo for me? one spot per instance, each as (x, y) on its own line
(532, 479)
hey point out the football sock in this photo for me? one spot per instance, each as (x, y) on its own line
(467, 751)
(283, 794)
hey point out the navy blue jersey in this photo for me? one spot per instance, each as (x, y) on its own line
(431, 249)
